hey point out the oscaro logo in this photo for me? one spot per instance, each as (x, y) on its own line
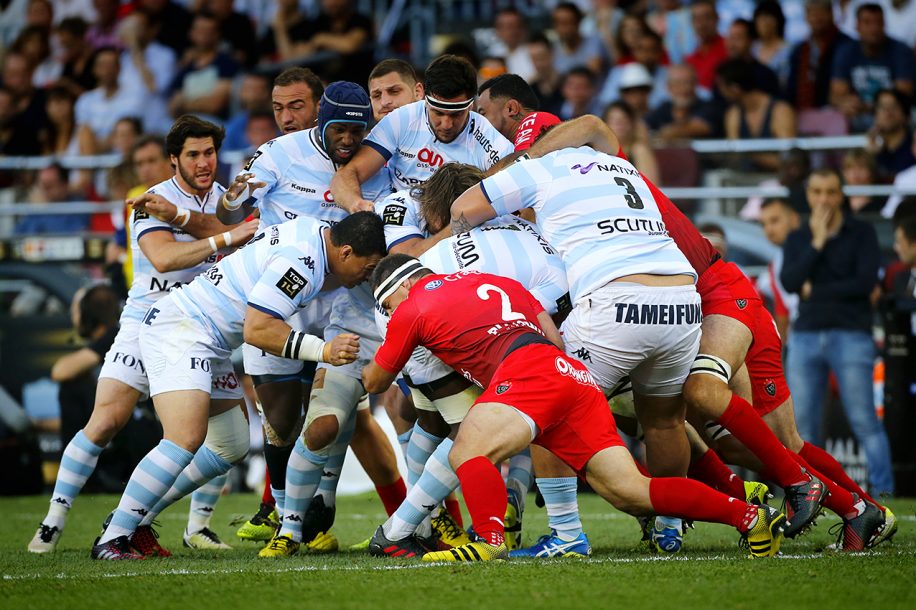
(328, 197)
(428, 156)
(433, 285)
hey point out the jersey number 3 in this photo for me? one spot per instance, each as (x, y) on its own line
(632, 197)
(484, 290)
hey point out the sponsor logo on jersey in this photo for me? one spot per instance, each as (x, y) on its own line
(303, 189)
(405, 154)
(640, 313)
(503, 387)
(770, 387)
(604, 167)
(308, 262)
(253, 158)
(433, 285)
(567, 369)
(430, 157)
(291, 283)
(485, 144)
(465, 250)
(290, 215)
(140, 214)
(583, 354)
(227, 382)
(128, 360)
(741, 303)
(632, 225)
(394, 214)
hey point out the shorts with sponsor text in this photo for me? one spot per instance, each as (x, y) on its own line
(651, 333)
(559, 395)
(123, 361)
(181, 355)
(726, 291)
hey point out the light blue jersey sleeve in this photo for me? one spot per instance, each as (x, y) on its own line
(286, 285)
(386, 134)
(521, 185)
(267, 164)
(401, 217)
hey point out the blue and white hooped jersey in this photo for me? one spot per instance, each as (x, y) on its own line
(278, 272)
(298, 174)
(401, 214)
(150, 285)
(596, 210)
(407, 142)
(510, 247)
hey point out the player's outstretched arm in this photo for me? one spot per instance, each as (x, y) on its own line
(273, 335)
(231, 208)
(587, 130)
(550, 329)
(345, 186)
(166, 254)
(376, 379)
(471, 209)
(194, 223)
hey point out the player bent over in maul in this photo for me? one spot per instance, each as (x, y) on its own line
(495, 333)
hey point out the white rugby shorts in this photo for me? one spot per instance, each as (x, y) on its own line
(651, 333)
(123, 361)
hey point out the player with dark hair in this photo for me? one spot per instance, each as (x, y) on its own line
(495, 333)
(295, 99)
(416, 139)
(393, 83)
(164, 256)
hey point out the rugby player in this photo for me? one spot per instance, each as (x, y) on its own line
(494, 332)
(187, 338)
(511, 106)
(393, 83)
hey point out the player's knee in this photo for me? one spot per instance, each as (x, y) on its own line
(708, 378)
(228, 435)
(322, 432)
(106, 421)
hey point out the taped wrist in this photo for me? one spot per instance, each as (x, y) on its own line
(302, 346)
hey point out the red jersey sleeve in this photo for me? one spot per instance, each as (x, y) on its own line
(401, 338)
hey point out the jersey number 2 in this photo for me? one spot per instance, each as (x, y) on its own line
(484, 290)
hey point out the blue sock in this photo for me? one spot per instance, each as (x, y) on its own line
(303, 474)
(151, 479)
(404, 441)
(520, 478)
(562, 507)
(330, 475)
(434, 485)
(76, 466)
(203, 502)
(205, 466)
(419, 448)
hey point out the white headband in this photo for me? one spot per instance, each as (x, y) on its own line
(449, 106)
(393, 282)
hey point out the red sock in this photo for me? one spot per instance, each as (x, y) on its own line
(454, 509)
(709, 469)
(485, 496)
(392, 495)
(688, 499)
(745, 425)
(267, 497)
(839, 501)
(826, 463)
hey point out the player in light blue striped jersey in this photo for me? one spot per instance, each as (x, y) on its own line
(187, 337)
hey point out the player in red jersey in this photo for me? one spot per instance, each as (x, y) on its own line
(495, 333)
(739, 335)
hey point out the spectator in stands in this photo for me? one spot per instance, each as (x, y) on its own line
(511, 34)
(649, 54)
(631, 28)
(34, 44)
(832, 264)
(602, 20)
(104, 30)
(811, 61)
(64, 9)
(891, 138)
(29, 116)
(295, 99)
(794, 167)
(904, 185)
(770, 47)
(636, 86)
(51, 188)
(490, 67)
(684, 116)
(547, 80)
(900, 15)
(126, 133)
(253, 94)
(753, 113)
(77, 55)
(289, 27)
(98, 110)
(715, 235)
(710, 50)
(59, 136)
(863, 68)
(174, 21)
(147, 69)
(204, 80)
(236, 29)
(904, 286)
(14, 141)
(859, 170)
(340, 30)
(633, 138)
(572, 49)
(739, 43)
(392, 84)
(672, 20)
(778, 219)
(578, 93)
(260, 128)
(40, 13)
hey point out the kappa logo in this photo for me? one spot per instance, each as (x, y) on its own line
(770, 387)
(584, 169)
(327, 474)
(308, 262)
(291, 283)
(433, 285)
(429, 507)
(741, 303)
(60, 500)
(140, 511)
(583, 354)
(503, 387)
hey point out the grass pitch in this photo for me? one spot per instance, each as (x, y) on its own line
(711, 572)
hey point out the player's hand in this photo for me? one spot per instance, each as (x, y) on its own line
(342, 349)
(362, 205)
(155, 205)
(242, 182)
(245, 231)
